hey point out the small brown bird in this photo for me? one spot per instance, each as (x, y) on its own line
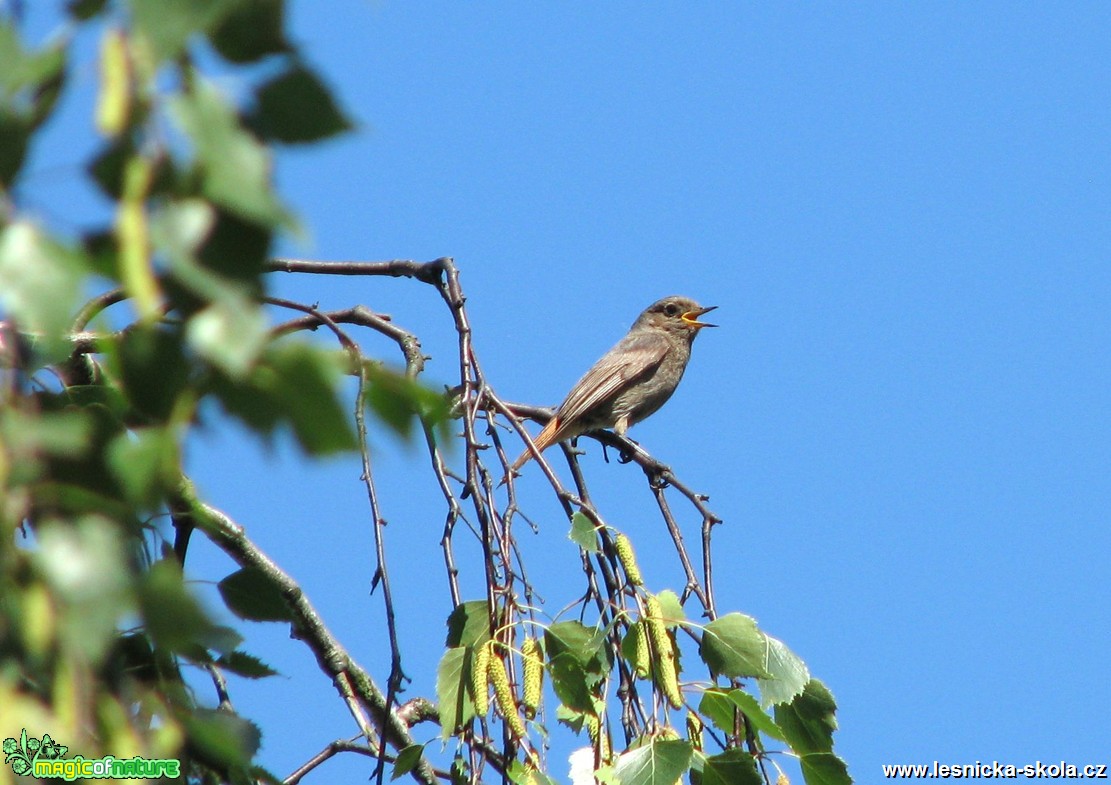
(633, 379)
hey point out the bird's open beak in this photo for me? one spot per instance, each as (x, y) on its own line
(691, 317)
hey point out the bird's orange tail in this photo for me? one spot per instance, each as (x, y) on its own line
(545, 439)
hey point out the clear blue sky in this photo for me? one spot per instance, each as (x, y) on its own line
(903, 211)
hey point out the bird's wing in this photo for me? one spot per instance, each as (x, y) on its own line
(634, 356)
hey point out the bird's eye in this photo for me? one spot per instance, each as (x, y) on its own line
(671, 309)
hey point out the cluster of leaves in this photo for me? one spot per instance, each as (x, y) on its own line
(96, 402)
(728, 737)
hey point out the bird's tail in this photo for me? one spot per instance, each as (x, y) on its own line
(545, 439)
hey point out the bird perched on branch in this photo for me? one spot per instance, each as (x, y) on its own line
(633, 379)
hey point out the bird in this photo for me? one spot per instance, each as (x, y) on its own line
(633, 379)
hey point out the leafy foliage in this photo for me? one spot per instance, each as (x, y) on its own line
(95, 405)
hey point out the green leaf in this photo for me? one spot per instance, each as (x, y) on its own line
(214, 255)
(252, 31)
(716, 706)
(733, 647)
(400, 401)
(230, 334)
(452, 697)
(180, 228)
(407, 760)
(67, 433)
(107, 396)
(254, 402)
(656, 763)
(145, 462)
(39, 283)
(169, 26)
(173, 617)
(824, 768)
(15, 134)
(246, 665)
(74, 499)
(788, 674)
(719, 705)
(235, 167)
(154, 369)
(251, 594)
(86, 565)
(570, 682)
(85, 467)
(30, 83)
(732, 767)
(808, 721)
(221, 737)
(306, 381)
(236, 249)
(85, 9)
(521, 774)
(297, 107)
(759, 718)
(584, 533)
(469, 624)
(585, 644)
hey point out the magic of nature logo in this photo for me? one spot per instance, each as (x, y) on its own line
(31, 756)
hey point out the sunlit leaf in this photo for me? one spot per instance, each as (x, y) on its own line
(733, 647)
(230, 334)
(788, 674)
(86, 565)
(469, 624)
(407, 760)
(401, 402)
(584, 533)
(306, 384)
(235, 167)
(452, 697)
(145, 462)
(67, 433)
(168, 26)
(655, 763)
(39, 283)
(30, 83)
(585, 644)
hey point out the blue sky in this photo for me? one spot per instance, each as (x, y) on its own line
(902, 211)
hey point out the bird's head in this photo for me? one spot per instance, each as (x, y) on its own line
(678, 315)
